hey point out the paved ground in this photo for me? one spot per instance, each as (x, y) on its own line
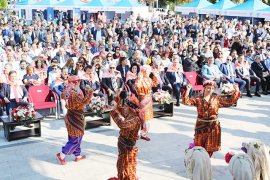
(160, 159)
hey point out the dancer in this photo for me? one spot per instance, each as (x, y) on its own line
(126, 117)
(74, 119)
(143, 86)
(240, 166)
(207, 128)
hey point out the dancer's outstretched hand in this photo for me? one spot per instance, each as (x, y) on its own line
(236, 87)
(189, 86)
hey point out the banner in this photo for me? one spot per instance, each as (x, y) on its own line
(28, 14)
(76, 15)
(50, 14)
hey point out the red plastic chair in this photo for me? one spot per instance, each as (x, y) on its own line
(41, 98)
(192, 78)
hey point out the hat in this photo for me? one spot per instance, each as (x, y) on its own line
(209, 83)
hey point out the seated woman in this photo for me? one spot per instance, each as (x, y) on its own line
(160, 73)
(112, 82)
(58, 86)
(90, 78)
(30, 78)
(79, 69)
(131, 76)
(41, 69)
(70, 65)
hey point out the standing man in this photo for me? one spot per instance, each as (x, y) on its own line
(74, 119)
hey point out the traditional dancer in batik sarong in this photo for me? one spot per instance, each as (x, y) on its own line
(143, 85)
(126, 116)
(74, 119)
(207, 128)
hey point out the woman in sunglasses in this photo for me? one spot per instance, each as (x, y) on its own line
(74, 119)
(79, 71)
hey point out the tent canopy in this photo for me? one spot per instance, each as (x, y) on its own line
(264, 13)
(246, 9)
(124, 5)
(82, 4)
(60, 4)
(40, 4)
(218, 7)
(250, 5)
(193, 6)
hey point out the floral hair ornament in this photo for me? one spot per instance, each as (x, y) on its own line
(190, 146)
(228, 157)
(209, 83)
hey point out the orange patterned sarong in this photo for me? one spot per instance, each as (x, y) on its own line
(208, 135)
(146, 107)
(127, 160)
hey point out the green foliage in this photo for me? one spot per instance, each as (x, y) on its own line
(3, 5)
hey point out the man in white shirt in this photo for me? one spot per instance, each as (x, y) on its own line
(21, 71)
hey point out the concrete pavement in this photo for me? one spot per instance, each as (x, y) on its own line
(160, 159)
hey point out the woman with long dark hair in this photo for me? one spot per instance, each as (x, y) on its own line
(126, 116)
(132, 75)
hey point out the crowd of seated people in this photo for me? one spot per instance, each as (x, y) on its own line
(108, 57)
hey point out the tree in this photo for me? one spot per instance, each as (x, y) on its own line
(3, 5)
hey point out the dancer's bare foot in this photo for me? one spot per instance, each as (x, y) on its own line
(77, 159)
(62, 161)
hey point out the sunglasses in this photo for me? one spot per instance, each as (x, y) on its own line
(109, 56)
(112, 67)
(54, 68)
(229, 59)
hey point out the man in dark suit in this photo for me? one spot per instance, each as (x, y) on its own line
(157, 31)
(123, 67)
(131, 31)
(177, 79)
(112, 82)
(228, 69)
(99, 32)
(13, 94)
(190, 64)
(18, 34)
(259, 67)
(139, 31)
(61, 57)
(247, 74)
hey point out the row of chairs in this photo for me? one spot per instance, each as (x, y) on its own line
(42, 97)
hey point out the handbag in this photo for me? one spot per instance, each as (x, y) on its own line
(265, 74)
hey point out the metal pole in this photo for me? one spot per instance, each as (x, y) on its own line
(157, 3)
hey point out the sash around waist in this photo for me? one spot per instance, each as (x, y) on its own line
(207, 120)
(126, 142)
